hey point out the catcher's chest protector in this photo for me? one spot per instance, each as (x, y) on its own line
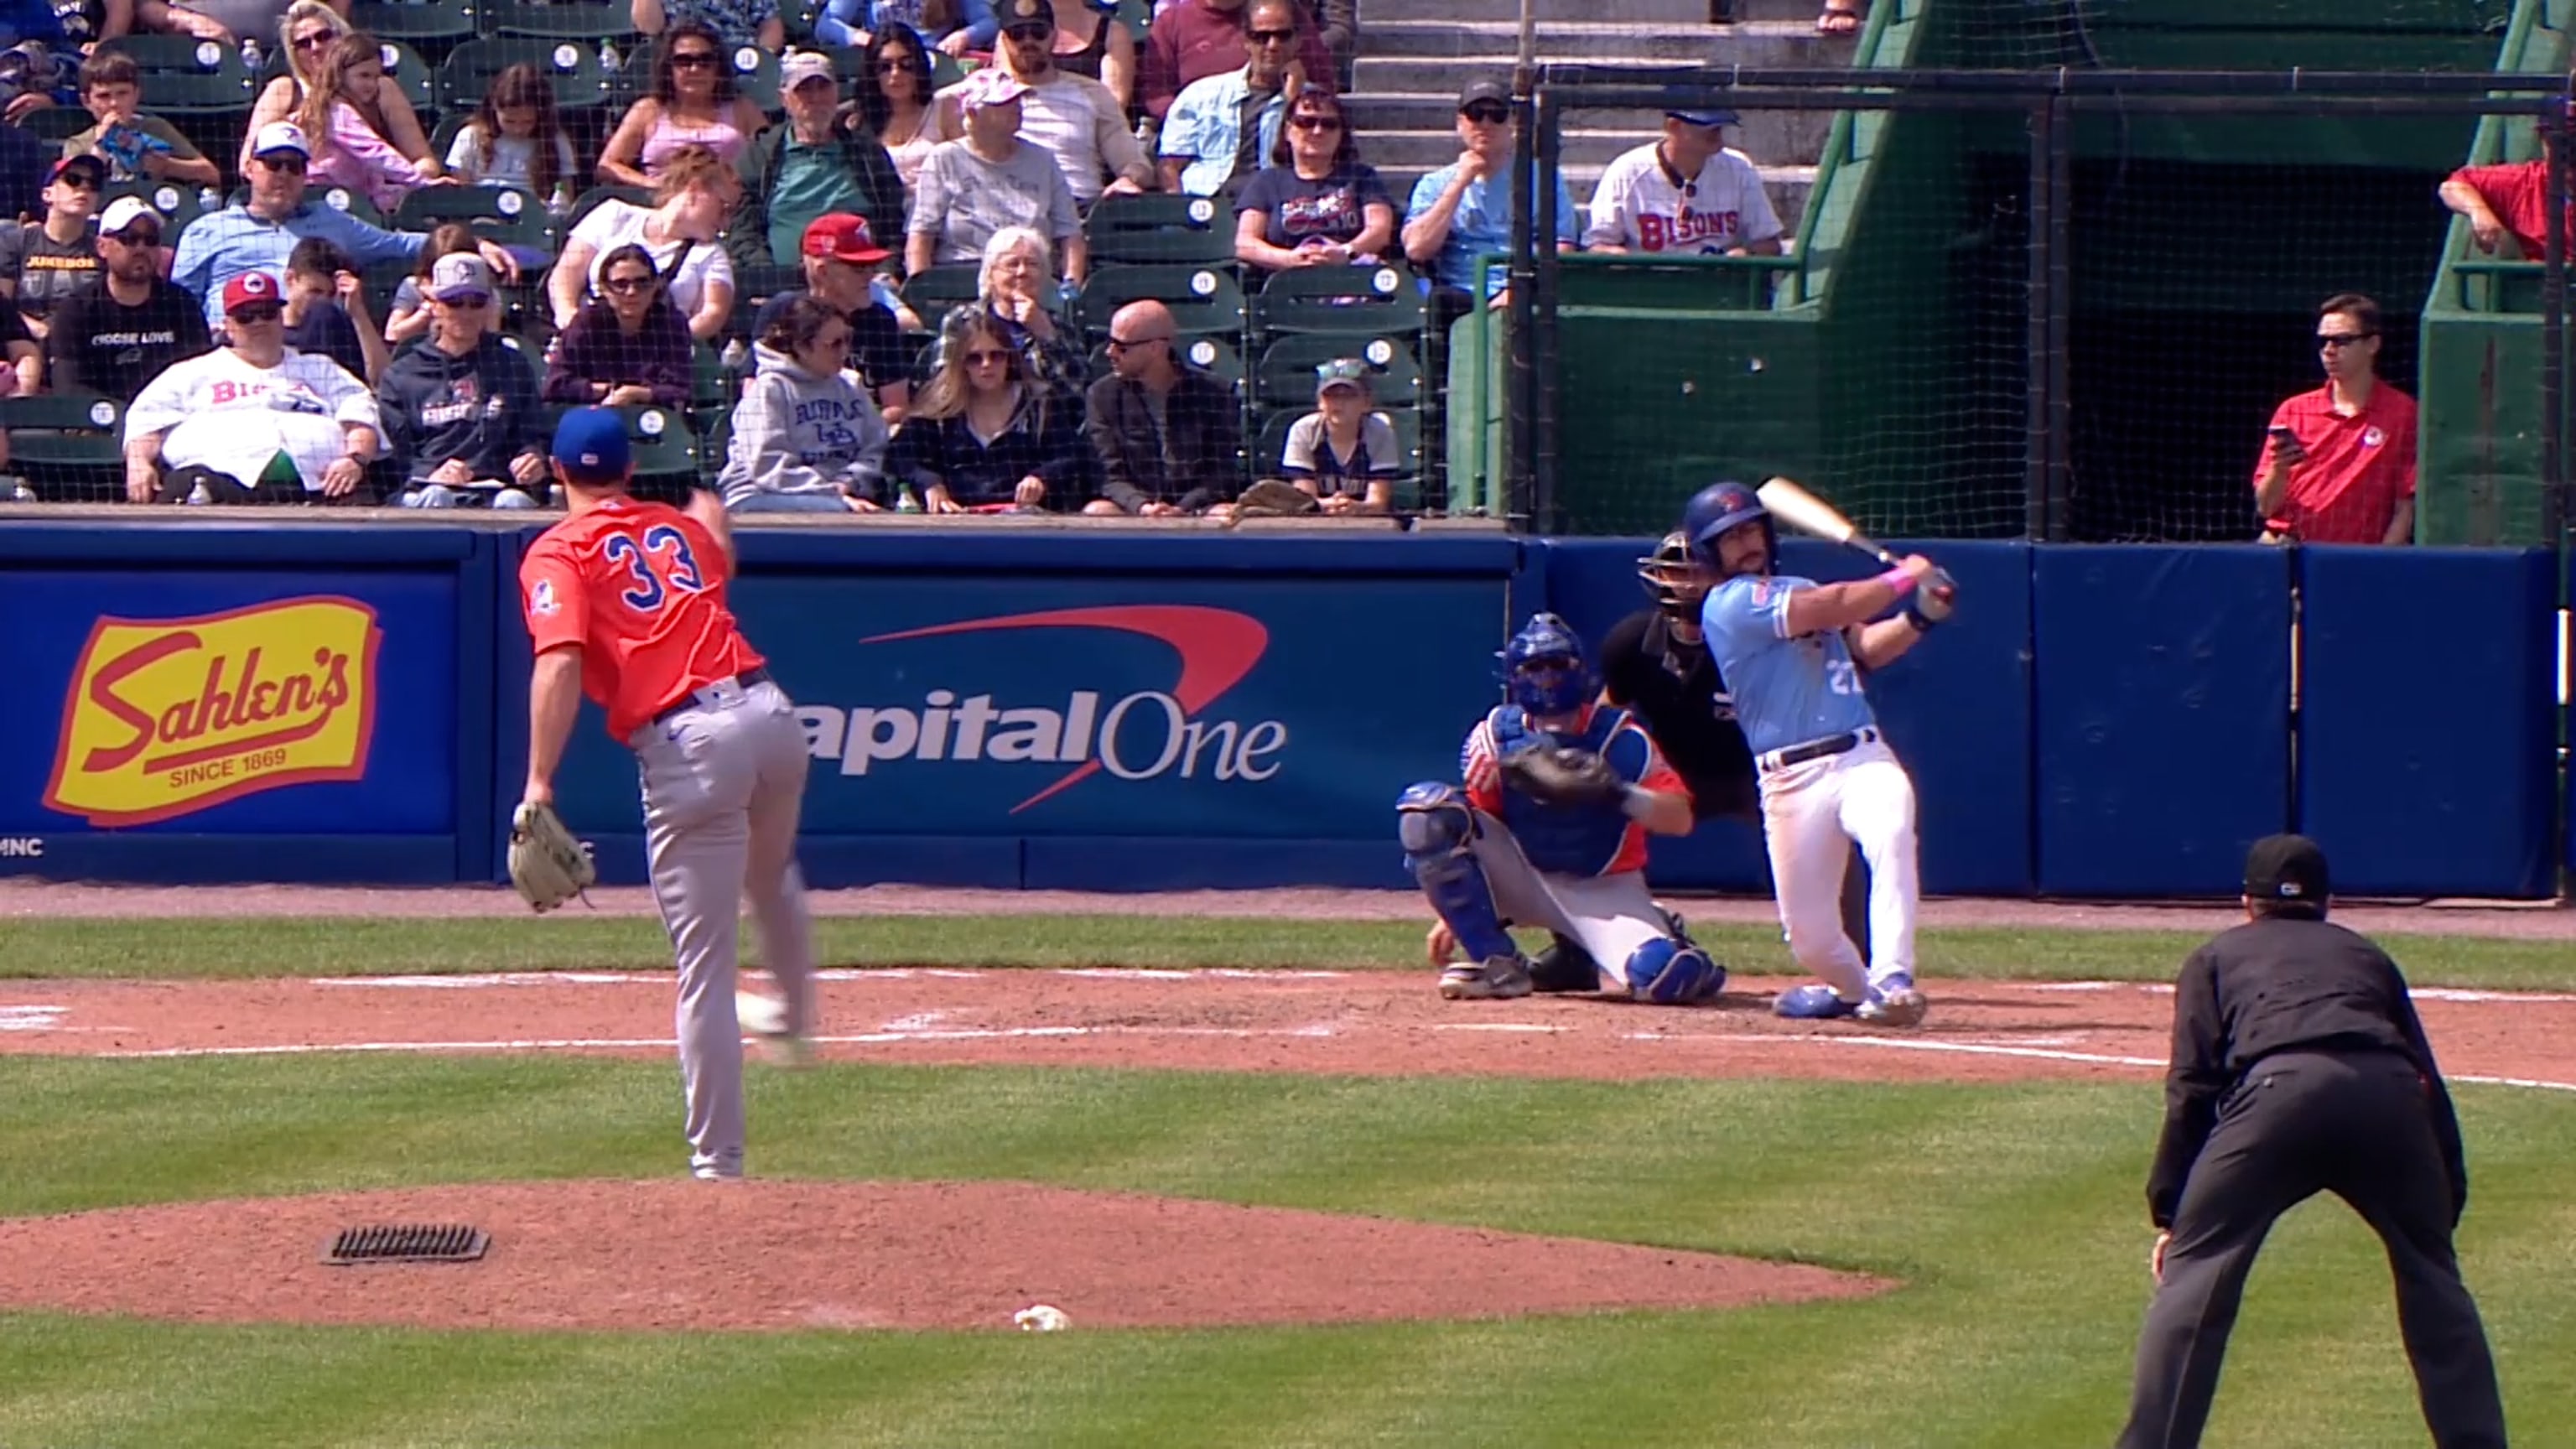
(1558, 840)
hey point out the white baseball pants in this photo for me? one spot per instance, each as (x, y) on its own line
(1812, 814)
(1612, 915)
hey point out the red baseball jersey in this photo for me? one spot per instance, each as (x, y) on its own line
(2518, 193)
(2358, 467)
(640, 588)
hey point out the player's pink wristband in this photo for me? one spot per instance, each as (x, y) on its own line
(1899, 580)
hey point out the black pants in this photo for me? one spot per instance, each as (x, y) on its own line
(2357, 1126)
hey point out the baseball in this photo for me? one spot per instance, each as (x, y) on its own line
(1041, 1318)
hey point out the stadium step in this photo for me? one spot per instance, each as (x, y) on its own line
(1644, 14)
(1414, 45)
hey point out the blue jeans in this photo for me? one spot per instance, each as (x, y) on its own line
(441, 495)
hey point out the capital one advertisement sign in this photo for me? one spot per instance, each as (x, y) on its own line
(1122, 706)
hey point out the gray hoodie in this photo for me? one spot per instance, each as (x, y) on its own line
(796, 432)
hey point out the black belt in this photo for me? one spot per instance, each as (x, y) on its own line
(757, 674)
(1816, 749)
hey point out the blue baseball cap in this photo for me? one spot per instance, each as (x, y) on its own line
(1706, 116)
(590, 444)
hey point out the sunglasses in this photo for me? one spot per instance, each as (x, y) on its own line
(1272, 37)
(982, 359)
(1316, 123)
(627, 284)
(257, 316)
(1121, 344)
(897, 65)
(693, 60)
(316, 41)
(291, 164)
(2342, 339)
(470, 299)
(1488, 113)
(1029, 34)
(140, 238)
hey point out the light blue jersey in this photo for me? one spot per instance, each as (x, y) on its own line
(1787, 691)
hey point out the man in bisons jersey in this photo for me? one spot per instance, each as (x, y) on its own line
(625, 602)
(1486, 853)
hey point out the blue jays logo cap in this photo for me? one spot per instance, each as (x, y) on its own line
(591, 445)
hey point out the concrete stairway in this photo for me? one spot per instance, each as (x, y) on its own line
(1415, 54)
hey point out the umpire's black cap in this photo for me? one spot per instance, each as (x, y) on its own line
(2286, 869)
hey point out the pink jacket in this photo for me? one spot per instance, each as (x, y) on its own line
(357, 158)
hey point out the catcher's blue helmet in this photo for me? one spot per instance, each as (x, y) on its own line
(1722, 506)
(1545, 669)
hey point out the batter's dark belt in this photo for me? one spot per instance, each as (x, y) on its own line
(1815, 750)
(757, 674)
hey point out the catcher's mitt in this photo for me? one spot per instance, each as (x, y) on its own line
(547, 865)
(1563, 775)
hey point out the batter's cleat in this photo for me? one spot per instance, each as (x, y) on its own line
(1500, 978)
(1815, 1002)
(1894, 1001)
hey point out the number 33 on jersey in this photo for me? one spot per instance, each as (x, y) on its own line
(639, 588)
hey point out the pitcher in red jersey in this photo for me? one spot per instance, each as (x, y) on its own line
(625, 601)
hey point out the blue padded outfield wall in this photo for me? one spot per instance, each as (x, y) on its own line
(309, 701)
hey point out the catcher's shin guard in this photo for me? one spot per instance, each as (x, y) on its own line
(1673, 973)
(1438, 830)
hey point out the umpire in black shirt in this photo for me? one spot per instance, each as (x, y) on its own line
(2299, 1067)
(1655, 664)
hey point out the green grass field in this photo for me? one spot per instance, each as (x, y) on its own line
(2012, 1214)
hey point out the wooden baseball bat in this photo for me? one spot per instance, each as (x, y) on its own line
(1804, 511)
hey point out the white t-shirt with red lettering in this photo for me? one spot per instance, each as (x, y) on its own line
(230, 416)
(1638, 205)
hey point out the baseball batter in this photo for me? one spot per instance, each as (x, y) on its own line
(1497, 850)
(1796, 652)
(625, 602)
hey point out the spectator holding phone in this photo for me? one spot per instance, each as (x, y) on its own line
(2339, 465)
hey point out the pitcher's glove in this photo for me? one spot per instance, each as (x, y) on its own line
(1565, 776)
(546, 863)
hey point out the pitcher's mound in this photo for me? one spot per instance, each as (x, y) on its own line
(789, 1255)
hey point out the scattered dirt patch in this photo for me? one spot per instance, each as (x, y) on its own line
(685, 1255)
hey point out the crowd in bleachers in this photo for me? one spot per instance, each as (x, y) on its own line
(956, 256)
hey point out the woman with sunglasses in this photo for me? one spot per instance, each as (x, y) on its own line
(981, 438)
(628, 348)
(307, 34)
(1317, 204)
(692, 198)
(693, 103)
(893, 97)
(953, 27)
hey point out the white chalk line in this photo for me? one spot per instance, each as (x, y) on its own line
(490, 979)
(867, 1038)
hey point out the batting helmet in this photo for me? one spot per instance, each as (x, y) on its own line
(1719, 507)
(1672, 575)
(1545, 669)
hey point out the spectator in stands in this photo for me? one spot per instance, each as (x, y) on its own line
(627, 349)
(1317, 204)
(733, 23)
(2339, 464)
(815, 161)
(326, 310)
(840, 260)
(953, 27)
(1687, 193)
(894, 95)
(693, 195)
(2509, 204)
(1091, 41)
(1839, 17)
(135, 145)
(25, 373)
(408, 316)
(1343, 454)
(1073, 118)
(1464, 210)
(1017, 290)
(806, 438)
(42, 262)
(460, 405)
(1168, 436)
(1223, 128)
(259, 234)
(514, 138)
(127, 324)
(348, 151)
(1196, 39)
(981, 438)
(308, 31)
(693, 105)
(974, 187)
(252, 421)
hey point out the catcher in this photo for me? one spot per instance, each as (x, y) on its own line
(1549, 831)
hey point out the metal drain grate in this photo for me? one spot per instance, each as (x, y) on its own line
(408, 1243)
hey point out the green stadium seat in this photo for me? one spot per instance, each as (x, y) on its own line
(1215, 356)
(430, 24)
(580, 83)
(66, 446)
(933, 292)
(188, 77)
(1204, 300)
(947, 70)
(1285, 374)
(565, 20)
(1406, 423)
(1382, 300)
(504, 214)
(589, 201)
(56, 124)
(405, 68)
(178, 202)
(1159, 228)
(338, 198)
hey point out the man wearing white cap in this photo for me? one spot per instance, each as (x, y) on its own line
(127, 324)
(254, 421)
(259, 234)
(816, 161)
(974, 187)
(1073, 118)
(460, 402)
(1686, 195)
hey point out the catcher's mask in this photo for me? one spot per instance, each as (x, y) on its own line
(1674, 577)
(1718, 510)
(1545, 669)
